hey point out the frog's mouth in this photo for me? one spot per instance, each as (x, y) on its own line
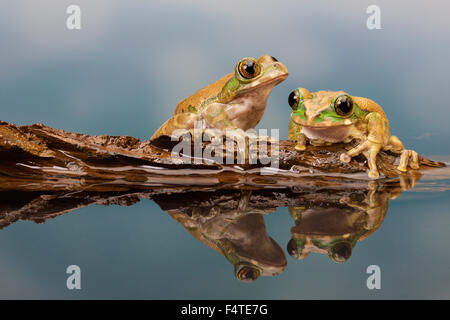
(262, 84)
(329, 134)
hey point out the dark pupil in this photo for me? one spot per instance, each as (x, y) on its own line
(342, 252)
(292, 247)
(345, 105)
(292, 100)
(249, 67)
(248, 274)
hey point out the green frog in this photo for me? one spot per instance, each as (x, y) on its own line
(235, 229)
(326, 117)
(235, 102)
(335, 229)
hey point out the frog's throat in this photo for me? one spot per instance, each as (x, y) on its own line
(233, 88)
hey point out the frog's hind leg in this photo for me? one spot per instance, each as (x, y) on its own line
(410, 156)
(406, 156)
(186, 121)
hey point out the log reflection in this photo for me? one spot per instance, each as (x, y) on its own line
(329, 217)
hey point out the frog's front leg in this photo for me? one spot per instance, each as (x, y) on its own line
(371, 143)
(296, 134)
(218, 122)
(370, 150)
(217, 117)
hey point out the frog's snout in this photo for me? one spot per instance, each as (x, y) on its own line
(269, 60)
(282, 68)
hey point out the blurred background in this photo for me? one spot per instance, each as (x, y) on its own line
(132, 61)
(129, 65)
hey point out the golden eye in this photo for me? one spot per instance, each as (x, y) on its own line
(343, 105)
(249, 68)
(248, 274)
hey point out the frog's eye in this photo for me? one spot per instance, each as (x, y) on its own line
(343, 105)
(341, 251)
(292, 248)
(294, 99)
(248, 274)
(249, 68)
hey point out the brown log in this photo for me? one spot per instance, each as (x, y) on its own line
(37, 158)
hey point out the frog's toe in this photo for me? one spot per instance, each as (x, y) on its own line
(414, 166)
(404, 157)
(373, 174)
(345, 200)
(273, 140)
(344, 157)
(408, 157)
(414, 160)
(212, 133)
(300, 147)
(266, 139)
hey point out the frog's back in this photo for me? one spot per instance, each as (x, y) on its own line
(370, 105)
(203, 94)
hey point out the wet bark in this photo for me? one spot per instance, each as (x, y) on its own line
(37, 158)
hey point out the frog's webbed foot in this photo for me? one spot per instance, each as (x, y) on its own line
(370, 150)
(247, 144)
(408, 181)
(371, 200)
(319, 143)
(300, 142)
(296, 212)
(408, 157)
(244, 200)
(250, 136)
(296, 134)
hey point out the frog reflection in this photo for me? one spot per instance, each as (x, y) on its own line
(236, 231)
(331, 216)
(335, 229)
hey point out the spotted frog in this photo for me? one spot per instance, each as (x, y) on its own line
(326, 117)
(235, 102)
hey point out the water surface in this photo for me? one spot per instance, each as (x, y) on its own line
(191, 245)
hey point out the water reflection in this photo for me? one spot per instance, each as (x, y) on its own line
(327, 220)
(335, 229)
(236, 230)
